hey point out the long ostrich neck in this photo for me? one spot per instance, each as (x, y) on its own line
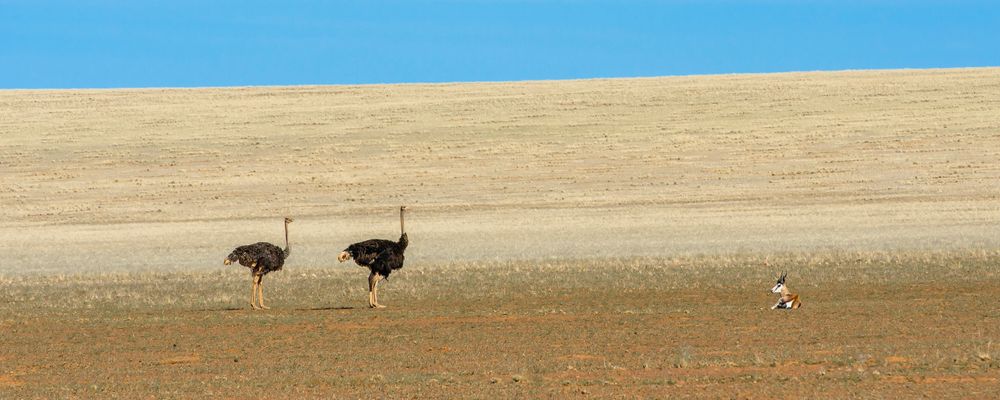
(402, 229)
(286, 237)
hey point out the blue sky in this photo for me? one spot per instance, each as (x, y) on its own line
(180, 43)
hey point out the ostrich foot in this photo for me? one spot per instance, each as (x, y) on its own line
(263, 307)
(378, 306)
(254, 306)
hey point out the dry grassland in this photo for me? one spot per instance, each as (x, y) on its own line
(599, 237)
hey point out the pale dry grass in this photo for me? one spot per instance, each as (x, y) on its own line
(601, 237)
(475, 281)
(171, 179)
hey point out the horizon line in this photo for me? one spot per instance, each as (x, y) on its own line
(473, 82)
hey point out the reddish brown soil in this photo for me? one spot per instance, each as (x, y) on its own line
(874, 340)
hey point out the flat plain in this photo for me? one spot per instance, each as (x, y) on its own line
(594, 238)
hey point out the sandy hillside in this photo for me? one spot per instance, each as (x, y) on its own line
(118, 180)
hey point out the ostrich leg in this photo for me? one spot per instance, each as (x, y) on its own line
(253, 292)
(378, 278)
(373, 279)
(371, 288)
(260, 293)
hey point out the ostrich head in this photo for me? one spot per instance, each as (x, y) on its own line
(781, 283)
(231, 258)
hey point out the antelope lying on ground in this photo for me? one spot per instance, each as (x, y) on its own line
(788, 300)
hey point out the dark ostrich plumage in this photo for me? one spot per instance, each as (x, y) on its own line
(262, 258)
(380, 256)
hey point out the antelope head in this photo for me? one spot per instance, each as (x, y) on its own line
(780, 284)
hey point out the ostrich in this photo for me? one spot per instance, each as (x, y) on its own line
(380, 256)
(261, 258)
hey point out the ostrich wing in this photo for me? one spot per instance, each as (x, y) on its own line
(390, 258)
(247, 255)
(365, 253)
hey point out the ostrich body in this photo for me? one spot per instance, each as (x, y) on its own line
(380, 256)
(262, 258)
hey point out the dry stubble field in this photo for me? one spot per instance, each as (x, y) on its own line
(579, 238)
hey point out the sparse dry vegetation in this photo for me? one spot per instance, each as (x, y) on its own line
(595, 238)
(901, 325)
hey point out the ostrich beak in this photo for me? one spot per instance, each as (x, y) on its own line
(227, 262)
(344, 256)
